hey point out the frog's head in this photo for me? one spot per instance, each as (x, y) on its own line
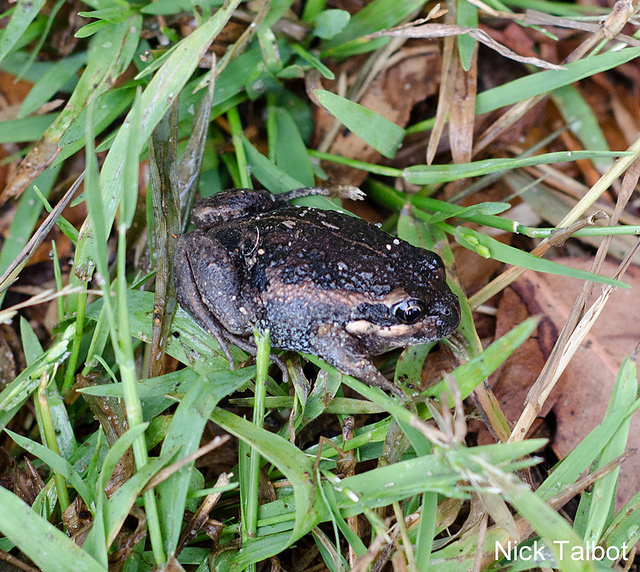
(423, 309)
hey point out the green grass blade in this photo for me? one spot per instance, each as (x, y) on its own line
(156, 100)
(426, 531)
(118, 43)
(624, 531)
(57, 463)
(30, 343)
(272, 178)
(547, 81)
(436, 174)
(26, 129)
(582, 121)
(58, 75)
(604, 490)
(24, 14)
(120, 504)
(558, 534)
(109, 107)
(373, 129)
(376, 16)
(183, 437)
(49, 548)
(488, 247)
(293, 463)
(330, 23)
(289, 150)
(313, 61)
(277, 181)
(116, 452)
(573, 465)
(168, 7)
(466, 16)
(329, 497)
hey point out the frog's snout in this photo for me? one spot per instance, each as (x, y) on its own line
(448, 316)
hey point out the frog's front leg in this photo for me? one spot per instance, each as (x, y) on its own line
(343, 352)
(207, 287)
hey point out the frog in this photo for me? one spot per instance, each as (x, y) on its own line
(321, 282)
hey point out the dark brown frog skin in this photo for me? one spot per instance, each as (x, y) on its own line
(322, 282)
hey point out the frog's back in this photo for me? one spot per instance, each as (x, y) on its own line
(327, 249)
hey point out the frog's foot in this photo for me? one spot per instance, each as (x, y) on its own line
(248, 346)
(282, 366)
(343, 352)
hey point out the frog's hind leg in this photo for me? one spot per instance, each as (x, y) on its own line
(343, 352)
(203, 281)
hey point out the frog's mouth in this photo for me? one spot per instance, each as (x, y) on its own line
(379, 339)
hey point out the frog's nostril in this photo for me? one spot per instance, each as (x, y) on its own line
(448, 316)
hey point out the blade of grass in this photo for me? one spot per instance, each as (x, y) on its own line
(277, 181)
(287, 147)
(51, 17)
(26, 129)
(48, 547)
(109, 107)
(155, 101)
(163, 185)
(604, 490)
(48, 430)
(237, 137)
(548, 80)
(51, 82)
(580, 118)
(291, 461)
(488, 247)
(183, 438)
(24, 13)
(373, 129)
(436, 174)
(119, 42)
(57, 463)
(253, 486)
(467, 16)
(376, 16)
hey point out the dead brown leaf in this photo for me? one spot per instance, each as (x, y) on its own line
(463, 111)
(420, 30)
(579, 400)
(392, 94)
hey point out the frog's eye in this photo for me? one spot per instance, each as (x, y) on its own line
(408, 311)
